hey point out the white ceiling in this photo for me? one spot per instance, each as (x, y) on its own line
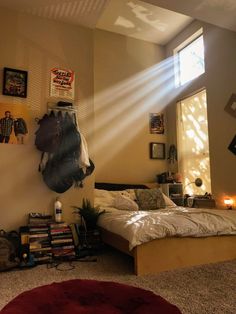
(218, 12)
(143, 20)
(78, 12)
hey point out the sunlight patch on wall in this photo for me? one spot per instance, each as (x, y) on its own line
(147, 16)
(121, 21)
(126, 107)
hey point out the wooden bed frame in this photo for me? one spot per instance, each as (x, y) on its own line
(172, 253)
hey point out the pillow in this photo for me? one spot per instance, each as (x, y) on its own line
(123, 202)
(103, 198)
(150, 199)
(168, 201)
(130, 193)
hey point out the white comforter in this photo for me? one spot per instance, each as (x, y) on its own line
(142, 226)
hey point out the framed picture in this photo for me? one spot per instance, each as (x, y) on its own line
(14, 82)
(14, 124)
(231, 106)
(157, 150)
(156, 122)
(232, 146)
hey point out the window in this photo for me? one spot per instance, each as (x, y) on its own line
(193, 145)
(189, 59)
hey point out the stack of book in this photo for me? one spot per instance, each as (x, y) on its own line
(39, 238)
(39, 218)
(62, 241)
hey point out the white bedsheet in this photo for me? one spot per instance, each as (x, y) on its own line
(142, 226)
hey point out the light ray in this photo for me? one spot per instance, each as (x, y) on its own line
(125, 105)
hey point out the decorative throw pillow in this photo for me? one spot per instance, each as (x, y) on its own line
(150, 199)
(131, 194)
(125, 203)
(168, 201)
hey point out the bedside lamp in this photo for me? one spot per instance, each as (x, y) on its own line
(229, 203)
(198, 182)
(189, 200)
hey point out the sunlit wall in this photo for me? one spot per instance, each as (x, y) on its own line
(131, 80)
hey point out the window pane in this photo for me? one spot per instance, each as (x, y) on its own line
(193, 144)
(191, 61)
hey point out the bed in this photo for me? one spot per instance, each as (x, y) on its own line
(158, 253)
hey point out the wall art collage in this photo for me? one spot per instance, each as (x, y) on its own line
(15, 118)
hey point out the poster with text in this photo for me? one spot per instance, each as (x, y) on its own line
(62, 83)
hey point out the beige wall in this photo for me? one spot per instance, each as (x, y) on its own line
(219, 80)
(131, 79)
(37, 45)
(129, 83)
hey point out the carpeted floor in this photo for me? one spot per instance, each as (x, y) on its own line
(208, 289)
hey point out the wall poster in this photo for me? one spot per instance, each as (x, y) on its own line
(14, 82)
(62, 83)
(156, 121)
(14, 124)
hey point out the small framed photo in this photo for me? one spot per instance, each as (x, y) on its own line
(231, 106)
(15, 82)
(157, 150)
(232, 146)
(156, 123)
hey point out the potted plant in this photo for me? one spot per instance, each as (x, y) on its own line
(89, 214)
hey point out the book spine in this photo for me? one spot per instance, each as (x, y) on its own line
(61, 236)
(37, 230)
(74, 234)
(59, 225)
(60, 230)
(38, 235)
(42, 249)
(62, 241)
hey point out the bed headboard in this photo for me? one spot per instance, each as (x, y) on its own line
(118, 186)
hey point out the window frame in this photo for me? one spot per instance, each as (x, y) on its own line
(177, 51)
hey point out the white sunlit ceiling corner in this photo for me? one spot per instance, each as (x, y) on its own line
(141, 20)
(221, 13)
(137, 17)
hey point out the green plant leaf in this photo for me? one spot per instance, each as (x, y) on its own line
(89, 213)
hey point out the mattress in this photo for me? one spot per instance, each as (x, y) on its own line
(173, 221)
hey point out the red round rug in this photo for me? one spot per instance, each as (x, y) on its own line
(88, 297)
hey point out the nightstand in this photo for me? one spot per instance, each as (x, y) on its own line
(178, 200)
(174, 191)
(203, 203)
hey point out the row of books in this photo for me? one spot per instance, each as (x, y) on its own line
(39, 237)
(62, 241)
(48, 240)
